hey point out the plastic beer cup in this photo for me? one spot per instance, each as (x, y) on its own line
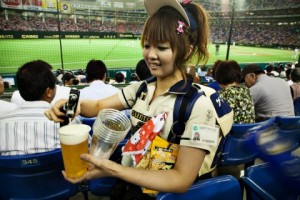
(110, 128)
(74, 142)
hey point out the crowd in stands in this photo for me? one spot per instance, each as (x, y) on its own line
(243, 96)
(244, 32)
(251, 34)
(265, 4)
(35, 23)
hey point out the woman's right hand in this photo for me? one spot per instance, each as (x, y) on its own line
(55, 114)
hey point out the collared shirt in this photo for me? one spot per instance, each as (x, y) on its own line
(62, 92)
(272, 97)
(98, 90)
(6, 107)
(27, 130)
(144, 108)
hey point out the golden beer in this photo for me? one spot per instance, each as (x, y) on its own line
(74, 142)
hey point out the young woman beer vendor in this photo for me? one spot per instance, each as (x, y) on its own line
(175, 32)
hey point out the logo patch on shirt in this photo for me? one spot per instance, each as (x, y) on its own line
(209, 115)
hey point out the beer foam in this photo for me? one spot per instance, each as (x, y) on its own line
(73, 134)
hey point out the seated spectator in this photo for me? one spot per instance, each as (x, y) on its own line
(134, 78)
(270, 71)
(69, 79)
(191, 69)
(62, 92)
(288, 76)
(96, 72)
(30, 131)
(81, 76)
(119, 78)
(5, 106)
(142, 72)
(272, 96)
(295, 87)
(214, 84)
(59, 75)
(228, 75)
(281, 71)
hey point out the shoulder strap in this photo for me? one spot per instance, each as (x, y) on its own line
(182, 111)
(142, 88)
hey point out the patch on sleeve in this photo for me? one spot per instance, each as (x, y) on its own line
(204, 134)
(221, 106)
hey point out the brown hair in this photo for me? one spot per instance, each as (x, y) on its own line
(161, 27)
(228, 71)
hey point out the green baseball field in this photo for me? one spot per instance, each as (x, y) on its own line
(116, 53)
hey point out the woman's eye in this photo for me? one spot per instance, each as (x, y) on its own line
(162, 48)
(146, 46)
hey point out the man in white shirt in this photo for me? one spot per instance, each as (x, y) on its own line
(27, 130)
(96, 72)
(62, 92)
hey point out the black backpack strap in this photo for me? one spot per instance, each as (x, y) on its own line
(182, 110)
(142, 88)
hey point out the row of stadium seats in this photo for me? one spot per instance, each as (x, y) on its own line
(38, 176)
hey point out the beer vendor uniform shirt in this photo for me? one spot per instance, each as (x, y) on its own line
(202, 115)
(27, 130)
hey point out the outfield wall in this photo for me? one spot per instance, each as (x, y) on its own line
(65, 35)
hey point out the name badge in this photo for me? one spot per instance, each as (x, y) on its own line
(204, 134)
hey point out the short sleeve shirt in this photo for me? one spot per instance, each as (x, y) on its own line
(272, 97)
(239, 99)
(143, 109)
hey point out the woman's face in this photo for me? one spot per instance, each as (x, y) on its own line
(160, 59)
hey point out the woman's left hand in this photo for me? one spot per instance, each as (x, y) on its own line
(98, 168)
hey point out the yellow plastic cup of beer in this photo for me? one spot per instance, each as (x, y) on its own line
(74, 142)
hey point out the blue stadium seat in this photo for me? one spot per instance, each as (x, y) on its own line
(297, 106)
(88, 121)
(101, 186)
(288, 122)
(35, 176)
(289, 126)
(264, 182)
(217, 188)
(234, 150)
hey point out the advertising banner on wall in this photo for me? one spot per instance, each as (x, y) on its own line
(16, 4)
(65, 7)
(42, 5)
(118, 5)
(32, 4)
(49, 5)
